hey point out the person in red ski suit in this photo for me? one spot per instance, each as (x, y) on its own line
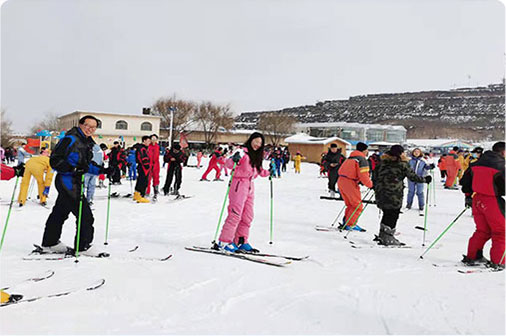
(485, 180)
(154, 170)
(214, 163)
(452, 165)
(235, 232)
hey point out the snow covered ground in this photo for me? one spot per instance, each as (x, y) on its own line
(339, 290)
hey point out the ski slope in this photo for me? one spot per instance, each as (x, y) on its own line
(339, 290)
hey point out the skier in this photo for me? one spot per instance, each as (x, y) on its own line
(222, 163)
(154, 172)
(332, 162)
(276, 156)
(143, 169)
(461, 160)
(452, 168)
(23, 154)
(132, 164)
(442, 167)
(71, 158)
(174, 159)
(116, 161)
(286, 158)
(485, 180)
(90, 180)
(214, 164)
(353, 171)
(296, 161)
(37, 167)
(323, 170)
(235, 232)
(101, 177)
(388, 180)
(420, 167)
(199, 158)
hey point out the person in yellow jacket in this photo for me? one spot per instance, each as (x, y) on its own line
(297, 159)
(472, 157)
(461, 159)
(37, 166)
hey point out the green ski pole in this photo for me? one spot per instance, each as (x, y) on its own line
(442, 234)
(9, 213)
(81, 196)
(272, 197)
(358, 206)
(224, 202)
(108, 208)
(425, 219)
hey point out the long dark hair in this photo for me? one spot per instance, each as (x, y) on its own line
(255, 157)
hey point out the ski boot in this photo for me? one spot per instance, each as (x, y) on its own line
(246, 247)
(479, 261)
(155, 196)
(225, 247)
(93, 251)
(139, 198)
(218, 179)
(58, 248)
(386, 237)
(10, 298)
(204, 179)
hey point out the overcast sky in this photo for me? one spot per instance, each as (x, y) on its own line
(120, 55)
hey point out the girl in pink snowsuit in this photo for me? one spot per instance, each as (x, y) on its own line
(235, 232)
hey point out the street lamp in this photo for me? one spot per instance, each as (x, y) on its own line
(171, 109)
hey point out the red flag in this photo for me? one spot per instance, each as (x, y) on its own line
(183, 142)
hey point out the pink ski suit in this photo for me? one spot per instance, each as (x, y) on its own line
(241, 197)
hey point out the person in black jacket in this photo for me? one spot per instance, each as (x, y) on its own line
(174, 159)
(71, 158)
(143, 168)
(117, 160)
(483, 184)
(332, 162)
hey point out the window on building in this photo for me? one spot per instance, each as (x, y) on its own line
(146, 126)
(121, 125)
(375, 135)
(99, 124)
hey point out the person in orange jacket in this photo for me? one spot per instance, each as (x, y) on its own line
(452, 168)
(442, 167)
(354, 170)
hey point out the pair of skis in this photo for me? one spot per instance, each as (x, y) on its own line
(48, 274)
(467, 269)
(38, 254)
(261, 258)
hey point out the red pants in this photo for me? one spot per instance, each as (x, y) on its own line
(489, 219)
(154, 175)
(350, 191)
(211, 167)
(451, 176)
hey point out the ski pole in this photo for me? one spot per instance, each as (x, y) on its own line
(30, 189)
(108, 207)
(81, 196)
(434, 189)
(502, 258)
(363, 210)
(338, 215)
(449, 226)
(425, 219)
(358, 206)
(272, 197)
(224, 202)
(9, 213)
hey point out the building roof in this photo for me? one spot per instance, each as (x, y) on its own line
(354, 125)
(436, 142)
(303, 138)
(143, 116)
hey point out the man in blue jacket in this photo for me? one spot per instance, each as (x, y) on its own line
(71, 158)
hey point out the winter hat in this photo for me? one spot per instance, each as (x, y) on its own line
(477, 150)
(177, 146)
(396, 150)
(333, 145)
(361, 146)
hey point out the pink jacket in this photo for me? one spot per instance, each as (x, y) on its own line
(243, 170)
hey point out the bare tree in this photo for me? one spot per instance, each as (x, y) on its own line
(49, 123)
(183, 111)
(212, 118)
(5, 130)
(276, 125)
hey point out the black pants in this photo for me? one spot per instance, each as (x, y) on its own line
(67, 202)
(116, 174)
(443, 173)
(142, 181)
(171, 171)
(333, 176)
(283, 166)
(390, 217)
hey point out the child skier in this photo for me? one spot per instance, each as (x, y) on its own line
(143, 168)
(296, 161)
(37, 167)
(235, 232)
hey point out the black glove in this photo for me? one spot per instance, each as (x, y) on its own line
(237, 157)
(432, 166)
(469, 202)
(19, 170)
(428, 179)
